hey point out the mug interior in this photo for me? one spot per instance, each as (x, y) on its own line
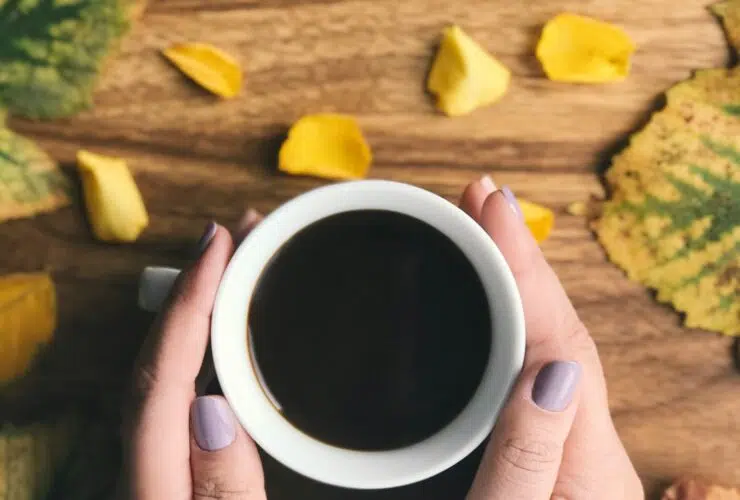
(239, 375)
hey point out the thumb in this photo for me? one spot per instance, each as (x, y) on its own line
(223, 459)
(524, 454)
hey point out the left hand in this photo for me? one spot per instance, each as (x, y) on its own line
(179, 446)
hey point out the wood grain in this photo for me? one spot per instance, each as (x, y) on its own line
(673, 391)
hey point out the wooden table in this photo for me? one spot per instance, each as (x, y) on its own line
(673, 391)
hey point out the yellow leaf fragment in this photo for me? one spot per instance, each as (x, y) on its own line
(31, 457)
(326, 145)
(590, 209)
(694, 488)
(27, 320)
(580, 49)
(208, 66)
(464, 76)
(729, 12)
(539, 219)
(577, 208)
(114, 205)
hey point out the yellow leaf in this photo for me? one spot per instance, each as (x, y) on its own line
(539, 219)
(208, 66)
(326, 145)
(114, 205)
(464, 76)
(580, 49)
(729, 12)
(27, 320)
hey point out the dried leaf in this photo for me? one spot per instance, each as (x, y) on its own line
(590, 209)
(464, 76)
(208, 66)
(729, 12)
(30, 457)
(696, 489)
(673, 222)
(577, 208)
(30, 181)
(326, 145)
(27, 321)
(539, 219)
(580, 49)
(114, 205)
(52, 50)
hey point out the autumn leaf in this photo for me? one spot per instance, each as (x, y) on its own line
(114, 204)
(31, 456)
(729, 12)
(208, 66)
(673, 221)
(581, 49)
(30, 182)
(464, 76)
(690, 488)
(51, 52)
(538, 219)
(27, 320)
(326, 145)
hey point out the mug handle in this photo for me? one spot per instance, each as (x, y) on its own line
(155, 285)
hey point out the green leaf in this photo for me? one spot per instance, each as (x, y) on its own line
(52, 50)
(30, 181)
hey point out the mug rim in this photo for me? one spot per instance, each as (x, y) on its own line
(240, 379)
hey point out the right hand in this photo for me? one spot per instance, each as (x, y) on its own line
(555, 438)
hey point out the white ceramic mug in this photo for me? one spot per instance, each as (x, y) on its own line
(240, 378)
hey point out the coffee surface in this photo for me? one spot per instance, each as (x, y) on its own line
(371, 329)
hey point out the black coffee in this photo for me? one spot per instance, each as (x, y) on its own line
(371, 329)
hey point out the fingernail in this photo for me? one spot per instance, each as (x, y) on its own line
(509, 195)
(250, 219)
(205, 240)
(251, 216)
(487, 183)
(212, 423)
(555, 384)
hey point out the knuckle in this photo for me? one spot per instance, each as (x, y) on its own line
(527, 455)
(212, 488)
(579, 337)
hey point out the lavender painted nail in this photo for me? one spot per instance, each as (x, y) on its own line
(212, 423)
(555, 384)
(509, 195)
(205, 240)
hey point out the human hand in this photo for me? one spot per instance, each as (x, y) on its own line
(555, 438)
(178, 446)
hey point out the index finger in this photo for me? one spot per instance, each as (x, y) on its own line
(549, 314)
(173, 353)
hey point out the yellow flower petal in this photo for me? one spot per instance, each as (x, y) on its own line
(539, 219)
(208, 66)
(464, 76)
(27, 320)
(326, 145)
(114, 205)
(580, 49)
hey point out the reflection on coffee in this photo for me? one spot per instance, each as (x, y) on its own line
(371, 329)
